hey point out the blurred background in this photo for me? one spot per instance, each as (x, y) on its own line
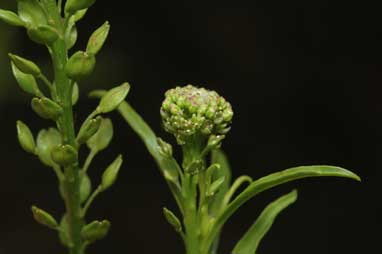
(304, 81)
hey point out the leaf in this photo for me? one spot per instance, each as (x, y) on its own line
(111, 100)
(249, 243)
(27, 82)
(102, 138)
(273, 180)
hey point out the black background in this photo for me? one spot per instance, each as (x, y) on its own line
(304, 81)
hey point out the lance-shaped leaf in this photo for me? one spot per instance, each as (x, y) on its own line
(249, 243)
(44, 218)
(27, 82)
(25, 137)
(10, 18)
(273, 180)
(113, 98)
(102, 138)
(110, 174)
(25, 65)
(98, 38)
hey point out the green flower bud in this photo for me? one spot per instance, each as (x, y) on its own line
(44, 218)
(43, 34)
(72, 6)
(46, 108)
(215, 186)
(88, 130)
(85, 187)
(64, 155)
(110, 174)
(11, 18)
(25, 137)
(172, 219)
(214, 141)
(97, 39)
(102, 138)
(111, 100)
(32, 12)
(46, 140)
(25, 65)
(27, 82)
(188, 111)
(80, 65)
(95, 230)
(165, 149)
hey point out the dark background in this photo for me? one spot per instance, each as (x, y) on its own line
(304, 81)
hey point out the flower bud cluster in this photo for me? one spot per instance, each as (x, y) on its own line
(189, 110)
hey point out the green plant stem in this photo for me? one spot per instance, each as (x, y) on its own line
(90, 200)
(66, 127)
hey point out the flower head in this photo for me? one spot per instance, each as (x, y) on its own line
(188, 111)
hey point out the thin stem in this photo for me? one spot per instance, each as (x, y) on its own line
(88, 160)
(238, 182)
(58, 173)
(90, 200)
(46, 81)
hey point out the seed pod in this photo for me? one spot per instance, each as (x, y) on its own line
(113, 98)
(25, 65)
(97, 39)
(75, 94)
(46, 140)
(172, 219)
(44, 218)
(165, 149)
(214, 187)
(11, 18)
(64, 155)
(88, 129)
(95, 230)
(110, 174)
(25, 137)
(80, 65)
(102, 138)
(85, 187)
(43, 34)
(27, 82)
(72, 6)
(46, 108)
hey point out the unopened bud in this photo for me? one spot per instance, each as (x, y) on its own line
(95, 230)
(46, 108)
(64, 155)
(111, 100)
(85, 187)
(44, 218)
(172, 219)
(72, 6)
(25, 65)
(25, 137)
(109, 176)
(80, 65)
(11, 18)
(98, 38)
(88, 130)
(27, 82)
(165, 149)
(43, 34)
(46, 140)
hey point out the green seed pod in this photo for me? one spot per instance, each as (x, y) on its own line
(46, 140)
(98, 38)
(72, 6)
(95, 230)
(75, 94)
(25, 65)
(63, 233)
(44, 218)
(215, 186)
(64, 155)
(85, 187)
(102, 138)
(11, 18)
(27, 82)
(43, 34)
(165, 149)
(189, 111)
(25, 137)
(110, 174)
(46, 108)
(172, 219)
(80, 65)
(111, 100)
(88, 129)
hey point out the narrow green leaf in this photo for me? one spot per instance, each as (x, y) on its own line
(113, 98)
(273, 180)
(10, 18)
(102, 138)
(109, 176)
(249, 243)
(27, 82)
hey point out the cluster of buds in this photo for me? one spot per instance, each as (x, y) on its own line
(188, 111)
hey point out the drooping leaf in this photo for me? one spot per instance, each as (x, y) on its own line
(249, 243)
